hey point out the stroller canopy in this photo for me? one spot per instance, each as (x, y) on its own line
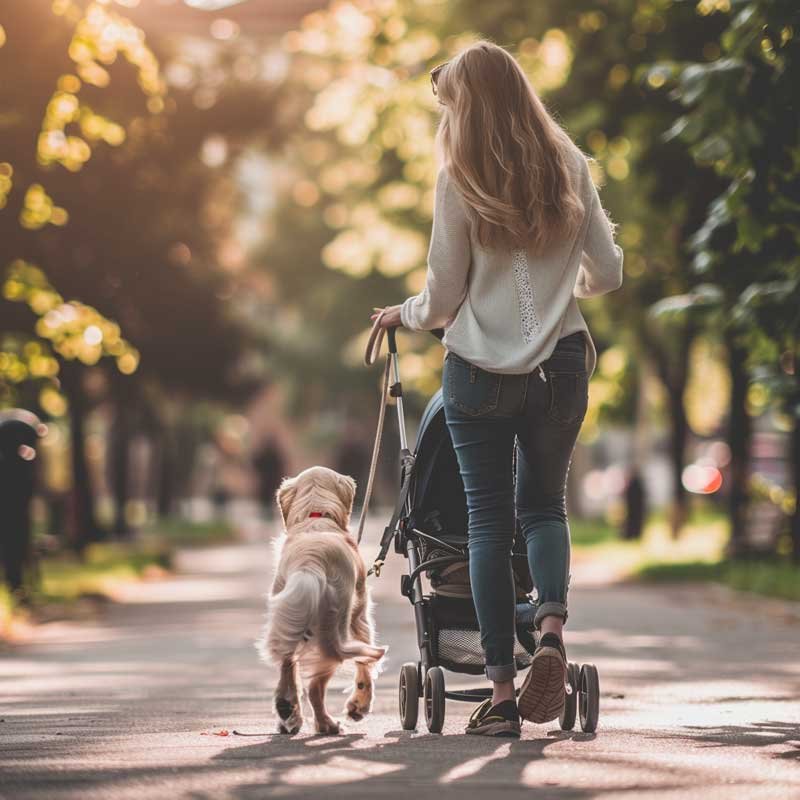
(438, 505)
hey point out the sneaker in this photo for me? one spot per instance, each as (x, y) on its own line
(499, 720)
(543, 691)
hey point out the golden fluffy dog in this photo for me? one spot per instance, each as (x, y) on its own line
(319, 608)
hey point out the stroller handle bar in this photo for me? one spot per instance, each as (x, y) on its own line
(375, 340)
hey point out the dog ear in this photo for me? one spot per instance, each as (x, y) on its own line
(284, 497)
(346, 489)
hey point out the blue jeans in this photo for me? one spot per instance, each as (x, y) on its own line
(488, 416)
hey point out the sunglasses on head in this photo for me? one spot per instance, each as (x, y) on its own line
(435, 72)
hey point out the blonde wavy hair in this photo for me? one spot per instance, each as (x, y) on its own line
(505, 153)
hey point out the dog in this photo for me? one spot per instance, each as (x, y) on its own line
(319, 611)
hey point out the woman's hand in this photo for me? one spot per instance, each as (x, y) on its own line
(391, 316)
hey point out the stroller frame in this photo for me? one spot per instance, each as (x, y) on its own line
(425, 678)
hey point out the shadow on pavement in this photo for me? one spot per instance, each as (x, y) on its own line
(353, 766)
(759, 734)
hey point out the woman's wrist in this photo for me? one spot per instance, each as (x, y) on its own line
(405, 315)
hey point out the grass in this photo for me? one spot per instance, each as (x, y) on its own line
(177, 531)
(702, 540)
(767, 577)
(591, 532)
(64, 578)
(697, 555)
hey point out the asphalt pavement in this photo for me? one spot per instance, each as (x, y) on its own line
(700, 697)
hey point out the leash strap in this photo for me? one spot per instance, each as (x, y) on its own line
(390, 530)
(370, 357)
(376, 449)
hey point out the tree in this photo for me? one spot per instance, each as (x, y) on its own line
(142, 231)
(741, 116)
(76, 331)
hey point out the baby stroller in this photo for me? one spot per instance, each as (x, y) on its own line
(429, 527)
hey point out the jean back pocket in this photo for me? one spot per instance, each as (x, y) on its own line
(469, 389)
(569, 396)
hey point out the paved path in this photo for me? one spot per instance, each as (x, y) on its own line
(700, 698)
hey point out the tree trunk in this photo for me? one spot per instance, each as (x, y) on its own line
(635, 495)
(796, 474)
(679, 428)
(165, 491)
(673, 371)
(795, 458)
(85, 528)
(120, 440)
(740, 430)
(183, 445)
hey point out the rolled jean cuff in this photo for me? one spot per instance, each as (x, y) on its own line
(505, 672)
(549, 609)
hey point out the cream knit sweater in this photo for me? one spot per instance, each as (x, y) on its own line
(505, 311)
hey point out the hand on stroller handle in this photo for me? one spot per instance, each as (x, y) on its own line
(375, 340)
(387, 319)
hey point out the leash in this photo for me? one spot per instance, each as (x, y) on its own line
(371, 354)
(407, 466)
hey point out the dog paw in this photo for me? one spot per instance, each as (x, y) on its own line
(290, 721)
(354, 713)
(289, 726)
(358, 705)
(328, 726)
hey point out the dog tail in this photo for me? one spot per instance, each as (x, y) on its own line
(362, 652)
(292, 614)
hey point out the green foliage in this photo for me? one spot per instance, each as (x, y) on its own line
(68, 130)
(73, 330)
(741, 117)
(87, 120)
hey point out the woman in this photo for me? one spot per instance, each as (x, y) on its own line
(518, 234)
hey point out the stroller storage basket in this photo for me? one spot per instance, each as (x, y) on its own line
(456, 640)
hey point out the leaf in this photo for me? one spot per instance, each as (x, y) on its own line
(703, 262)
(713, 148)
(705, 297)
(695, 79)
(750, 233)
(771, 292)
(677, 128)
(689, 128)
(743, 17)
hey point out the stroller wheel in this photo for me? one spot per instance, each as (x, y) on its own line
(409, 696)
(589, 698)
(434, 699)
(570, 711)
